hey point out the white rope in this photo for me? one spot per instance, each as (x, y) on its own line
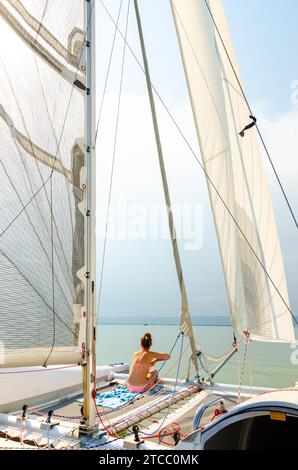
(242, 368)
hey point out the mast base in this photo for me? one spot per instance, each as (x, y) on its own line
(84, 429)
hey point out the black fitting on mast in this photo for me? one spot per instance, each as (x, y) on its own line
(135, 430)
(24, 410)
(176, 437)
(50, 414)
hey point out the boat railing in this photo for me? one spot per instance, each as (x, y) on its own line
(202, 408)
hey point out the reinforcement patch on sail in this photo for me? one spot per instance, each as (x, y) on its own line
(238, 190)
(41, 121)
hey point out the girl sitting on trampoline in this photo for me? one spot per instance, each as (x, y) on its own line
(142, 377)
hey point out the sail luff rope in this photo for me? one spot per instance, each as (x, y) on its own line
(251, 112)
(206, 174)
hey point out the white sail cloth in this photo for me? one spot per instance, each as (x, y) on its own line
(233, 164)
(41, 119)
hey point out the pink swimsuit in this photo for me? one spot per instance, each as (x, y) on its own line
(138, 388)
(135, 389)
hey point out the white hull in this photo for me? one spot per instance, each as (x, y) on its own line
(59, 384)
(35, 386)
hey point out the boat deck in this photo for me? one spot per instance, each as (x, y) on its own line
(161, 426)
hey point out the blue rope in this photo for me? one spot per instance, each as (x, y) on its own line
(87, 446)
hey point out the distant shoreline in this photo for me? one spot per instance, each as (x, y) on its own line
(159, 324)
(167, 321)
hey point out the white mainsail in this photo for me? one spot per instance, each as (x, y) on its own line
(233, 164)
(42, 127)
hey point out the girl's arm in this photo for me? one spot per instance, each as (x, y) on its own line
(159, 357)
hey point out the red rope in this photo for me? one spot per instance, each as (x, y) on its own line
(45, 369)
(218, 412)
(147, 408)
(107, 429)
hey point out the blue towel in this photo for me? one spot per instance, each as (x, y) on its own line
(120, 396)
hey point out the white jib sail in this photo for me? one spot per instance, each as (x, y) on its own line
(233, 164)
(42, 126)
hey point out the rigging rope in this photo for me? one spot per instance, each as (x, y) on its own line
(206, 174)
(53, 278)
(113, 159)
(30, 371)
(243, 365)
(224, 356)
(108, 73)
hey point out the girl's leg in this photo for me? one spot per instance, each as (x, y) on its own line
(152, 378)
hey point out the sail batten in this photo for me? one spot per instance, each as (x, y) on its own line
(246, 232)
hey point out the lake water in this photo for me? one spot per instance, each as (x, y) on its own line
(267, 364)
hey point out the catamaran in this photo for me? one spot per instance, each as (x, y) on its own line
(53, 394)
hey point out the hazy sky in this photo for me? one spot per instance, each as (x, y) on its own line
(139, 276)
